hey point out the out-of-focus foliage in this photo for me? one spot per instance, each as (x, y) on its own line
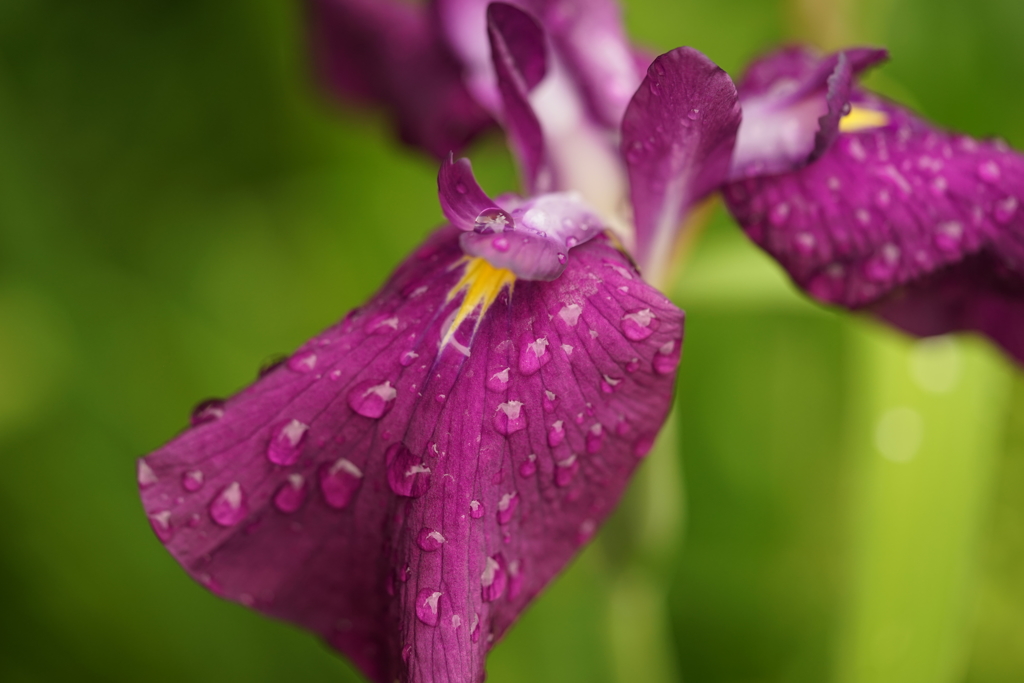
(177, 204)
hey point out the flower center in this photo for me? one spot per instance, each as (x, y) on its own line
(482, 283)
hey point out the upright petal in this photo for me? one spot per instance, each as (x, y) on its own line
(410, 479)
(391, 52)
(677, 138)
(784, 98)
(920, 225)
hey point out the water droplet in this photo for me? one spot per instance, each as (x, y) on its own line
(938, 186)
(863, 216)
(529, 467)
(586, 531)
(228, 507)
(778, 214)
(371, 399)
(666, 360)
(407, 653)
(565, 470)
(500, 244)
(556, 434)
(653, 87)
(429, 539)
(608, 384)
(461, 188)
(515, 579)
(510, 417)
(571, 242)
(550, 401)
(693, 114)
(303, 362)
(855, 149)
(595, 438)
(286, 442)
(847, 108)
(144, 474)
(339, 482)
(192, 480)
(1005, 209)
(427, 607)
(291, 494)
(643, 445)
(570, 314)
(407, 358)
(493, 220)
(533, 356)
(407, 474)
(161, 523)
(498, 381)
(989, 171)
(633, 365)
(562, 258)
(833, 183)
(474, 629)
(456, 621)
(207, 411)
(639, 325)
(948, 236)
(804, 243)
(476, 509)
(493, 579)
(507, 506)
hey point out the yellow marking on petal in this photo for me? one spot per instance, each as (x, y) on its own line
(862, 118)
(482, 283)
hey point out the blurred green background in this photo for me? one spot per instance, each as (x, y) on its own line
(177, 204)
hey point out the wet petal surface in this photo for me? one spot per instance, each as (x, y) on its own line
(426, 505)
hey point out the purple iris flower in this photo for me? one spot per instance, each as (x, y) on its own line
(410, 479)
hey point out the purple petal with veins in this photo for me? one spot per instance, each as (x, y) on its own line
(532, 238)
(677, 137)
(391, 52)
(518, 51)
(917, 224)
(792, 101)
(425, 507)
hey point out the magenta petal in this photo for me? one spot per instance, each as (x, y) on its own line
(408, 531)
(677, 137)
(920, 224)
(463, 201)
(390, 52)
(518, 52)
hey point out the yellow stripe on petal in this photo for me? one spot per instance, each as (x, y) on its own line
(862, 118)
(482, 284)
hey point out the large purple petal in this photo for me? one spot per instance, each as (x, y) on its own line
(406, 502)
(677, 137)
(391, 52)
(792, 102)
(919, 224)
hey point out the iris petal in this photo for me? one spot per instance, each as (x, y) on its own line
(419, 505)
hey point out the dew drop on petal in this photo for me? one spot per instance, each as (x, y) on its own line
(161, 523)
(145, 475)
(570, 314)
(595, 438)
(192, 480)
(608, 384)
(507, 506)
(529, 467)
(565, 470)
(303, 362)
(989, 171)
(407, 358)
(492, 220)
(498, 381)
(427, 606)
(286, 442)
(556, 434)
(666, 360)
(638, 325)
(207, 411)
(562, 258)
(372, 399)
(633, 365)
(492, 580)
(533, 356)
(693, 114)
(586, 531)
(429, 539)
(510, 418)
(643, 445)
(474, 629)
(228, 507)
(408, 475)
(1005, 210)
(339, 481)
(291, 494)
(948, 236)
(500, 244)
(476, 509)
